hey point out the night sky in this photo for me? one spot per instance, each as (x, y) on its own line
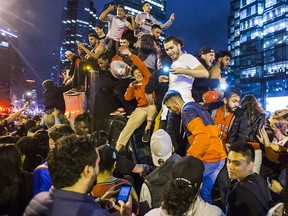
(200, 23)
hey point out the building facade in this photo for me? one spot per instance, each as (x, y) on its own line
(258, 39)
(78, 21)
(12, 75)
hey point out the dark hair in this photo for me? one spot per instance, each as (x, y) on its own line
(173, 39)
(15, 184)
(223, 53)
(37, 117)
(82, 117)
(60, 130)
(30, 123)
(245, 149)
(99, 25)
(125, 36)
(178, 195)
(145, 2)
(282, 127)
(94, 35)
(231, 91)
(121, 6)
(29, 146)
(171, 93)
(105, 57)
(43, 139)
(155, 26)
(133, 69)
(68, 160)
(252, 107)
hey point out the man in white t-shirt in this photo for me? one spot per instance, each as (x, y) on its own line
(117, 24)
(184, 69)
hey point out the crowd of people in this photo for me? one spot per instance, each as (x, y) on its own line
(212, 152)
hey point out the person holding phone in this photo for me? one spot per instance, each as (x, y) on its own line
(73, 168)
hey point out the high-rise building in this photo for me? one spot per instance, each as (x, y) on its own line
(78, 20)
(258, 39)
(12, 74)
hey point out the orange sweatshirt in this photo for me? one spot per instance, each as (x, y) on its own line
(138, 92)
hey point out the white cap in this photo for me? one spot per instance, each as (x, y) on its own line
(68, 52)
(161, 147)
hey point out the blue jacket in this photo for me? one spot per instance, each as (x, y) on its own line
(41, 179)
(59, 202)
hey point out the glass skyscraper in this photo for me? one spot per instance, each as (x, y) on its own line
(12, 71)
(258, 39)
(78, 20)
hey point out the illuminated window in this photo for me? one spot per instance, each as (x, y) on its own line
(275, 68)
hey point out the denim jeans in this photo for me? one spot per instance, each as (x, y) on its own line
(209, 177)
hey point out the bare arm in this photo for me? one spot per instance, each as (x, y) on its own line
(132, 26)
(13, 116)
(100, 50)
(215, 72)
(198, 72)
(103, 16)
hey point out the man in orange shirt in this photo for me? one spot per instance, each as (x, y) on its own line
(231, 119)
(203, 136)
(144, 110)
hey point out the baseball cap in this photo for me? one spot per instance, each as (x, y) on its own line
(161, 147)
(210, 96)
(120, 69)
(190, 169)
(205, 50)
(108, 156)
(68, 52)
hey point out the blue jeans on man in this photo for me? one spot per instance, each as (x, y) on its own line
(210, 174)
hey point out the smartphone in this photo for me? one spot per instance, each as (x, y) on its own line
(124, 193)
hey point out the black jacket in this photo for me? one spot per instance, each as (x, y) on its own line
(53, 98)
(250, 197)
(160, 89)
(256, 125)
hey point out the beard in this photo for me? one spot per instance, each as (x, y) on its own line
(222, 66)
(92, 183)
(230, 109)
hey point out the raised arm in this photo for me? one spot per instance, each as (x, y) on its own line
(93, 55)
(132, 25)
(104, 15)
(14, 115)
(137, 61)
